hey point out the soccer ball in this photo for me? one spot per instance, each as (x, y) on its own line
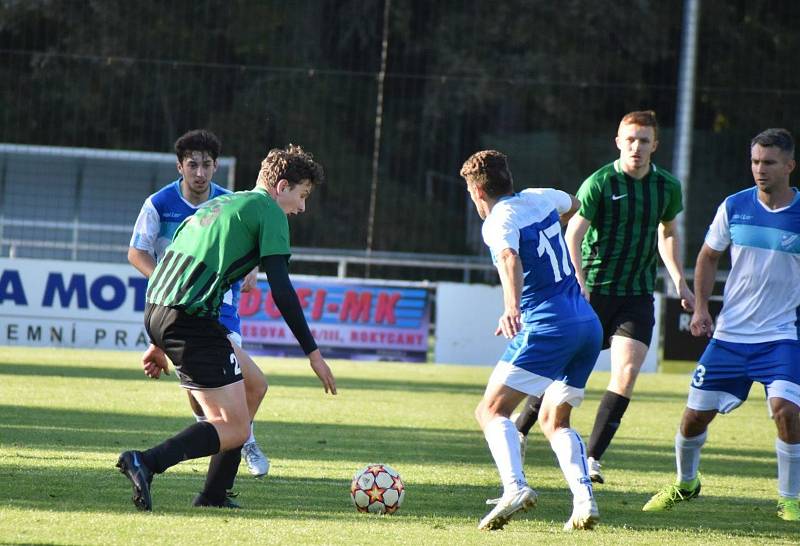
(378, 489)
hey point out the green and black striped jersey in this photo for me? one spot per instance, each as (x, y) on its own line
(215, 247)
(619, 251)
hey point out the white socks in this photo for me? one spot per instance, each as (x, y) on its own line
(687, 455)
(788, 469)
(571, 453)
(501, 435)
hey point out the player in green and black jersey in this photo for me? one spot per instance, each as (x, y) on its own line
(212, 249)
(627, 217)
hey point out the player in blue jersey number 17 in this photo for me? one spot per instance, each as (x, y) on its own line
(554, 335)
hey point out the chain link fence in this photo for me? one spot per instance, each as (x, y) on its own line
(544, 82)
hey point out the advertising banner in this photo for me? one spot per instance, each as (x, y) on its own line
(349, 319)
(51, 303)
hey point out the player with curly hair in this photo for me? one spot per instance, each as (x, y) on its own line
(212, 249)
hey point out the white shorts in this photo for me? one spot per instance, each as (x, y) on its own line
(724, 402)
(556, 392)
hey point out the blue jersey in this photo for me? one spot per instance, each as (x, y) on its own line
(528, 223)
(158, 220)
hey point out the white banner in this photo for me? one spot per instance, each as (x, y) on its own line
(50, 303)
(466, 318)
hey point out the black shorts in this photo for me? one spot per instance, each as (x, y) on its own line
(198, 347)
(626, 316)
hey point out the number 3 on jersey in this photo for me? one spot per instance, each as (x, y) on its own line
(237, 370)
(699, 375)
(554, 232)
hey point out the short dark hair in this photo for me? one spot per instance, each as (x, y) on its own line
(780, 138)
(198, 140)
(645, 118)
(488, 170)
(292, 164)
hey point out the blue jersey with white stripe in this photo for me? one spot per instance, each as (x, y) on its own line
(528, 223)
(158, 220)
(762, 292)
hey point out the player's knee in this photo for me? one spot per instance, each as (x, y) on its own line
(232, 432)
(695, 422)
(479, 413)
(627, 374)
(259, 389)
(484, 413)
(256, 386)
(547, 426)
(550, 423)
(786, 416)
(240, 433)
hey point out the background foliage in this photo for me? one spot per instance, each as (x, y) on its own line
(545, 82)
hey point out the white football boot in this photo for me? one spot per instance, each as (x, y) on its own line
(509, 504)
(585, 516)
(594, 471)
(257, 462)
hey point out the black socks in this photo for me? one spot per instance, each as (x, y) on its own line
(221, 473)
(529, 414)
(609, 415)
(197, 440)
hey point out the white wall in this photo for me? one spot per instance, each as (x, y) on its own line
(466, 318)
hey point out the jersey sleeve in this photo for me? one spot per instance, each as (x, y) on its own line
(499, 233)
(146, 229)
(590, 194)
(718, 236)
(561, 200)
(273, 233)
(675, 204)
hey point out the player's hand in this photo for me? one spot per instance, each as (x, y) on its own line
(584, 292)
(323, 371)
(154, 361)
(250, 280)
(687, 297)
(510, 323)
(701, 324)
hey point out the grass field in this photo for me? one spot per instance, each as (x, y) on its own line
(65, 415)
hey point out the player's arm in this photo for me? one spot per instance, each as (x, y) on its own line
(576, 231)
(566, 204)
(509, 267)
(250, 280)
(140, 256)
(574, 206)
(154, 361)
(141, 253)
(141, 260)
(286, 301)
(668, 248)
(705, 274)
